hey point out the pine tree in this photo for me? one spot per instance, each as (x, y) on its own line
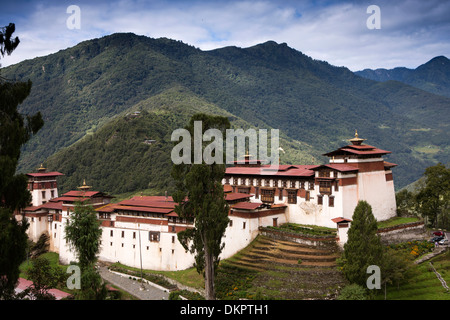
(363, 247)
(15, 131)
(201, 199)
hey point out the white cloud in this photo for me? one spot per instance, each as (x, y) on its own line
(412, 31)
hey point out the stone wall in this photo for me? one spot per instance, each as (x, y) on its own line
(325, 242)
(403, 233)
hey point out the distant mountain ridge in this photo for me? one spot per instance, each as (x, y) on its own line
(433, 76)
(88, 88)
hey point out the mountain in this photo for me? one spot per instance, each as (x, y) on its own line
(433, 76)
(85, 93)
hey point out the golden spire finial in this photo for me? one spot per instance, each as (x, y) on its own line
(84, 186)
(356, 140)
(41, 168)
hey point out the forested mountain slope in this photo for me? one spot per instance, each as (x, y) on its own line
(90, 88)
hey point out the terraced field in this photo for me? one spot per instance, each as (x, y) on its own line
(288, 270)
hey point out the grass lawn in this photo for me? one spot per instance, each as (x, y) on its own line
(424, 285)
(396, 221)
(53, 257)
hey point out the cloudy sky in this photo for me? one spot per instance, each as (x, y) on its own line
(341, 32)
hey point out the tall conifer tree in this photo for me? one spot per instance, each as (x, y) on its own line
(363, 247)
(200, 197)
(15, 131)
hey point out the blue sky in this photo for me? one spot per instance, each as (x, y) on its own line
(412, 31)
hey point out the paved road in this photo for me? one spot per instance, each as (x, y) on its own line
(133, 287)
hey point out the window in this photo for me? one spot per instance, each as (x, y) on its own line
(324, 173)
(307, 196)
(231, 223)
(243, 190)
(331, 201)
(311, 185)
(256, 193)
(267, 195)
(336, 185)
(111, 233)
(325, 187)
(52, 192)
(292, 196)
(123, 234)
(292, 184)
(319, 199)
(153, 236)
(280, 196)
(173, 239)
(243, 225)
(43, 194)
(134, 235)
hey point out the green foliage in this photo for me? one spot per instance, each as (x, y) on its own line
(83, 234)
(41, 246)
(433, 198)
(353, 292)
(200, 197)
(15, 131)
(44, 277)
(363, 247)
(92, 285)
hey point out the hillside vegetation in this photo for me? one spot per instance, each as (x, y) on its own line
(85, 92)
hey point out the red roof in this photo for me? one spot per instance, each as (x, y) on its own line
(148, 203)
(358, 150)
(52, 205)
(144, 209)
(79, 193)
(247, 205)
(236, 195)
(341, 219)
(281, 170)
(389, 164)
(342, 167)
(24, 284)
(45, 174)
(32, 208)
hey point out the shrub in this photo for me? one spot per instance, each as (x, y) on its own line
(353, 292)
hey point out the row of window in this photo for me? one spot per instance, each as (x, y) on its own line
(134, 247)
(258, 182)
(153, 236)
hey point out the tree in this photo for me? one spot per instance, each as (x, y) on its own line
(200, 197)
(396, 268)
(15, 131)
(405, 203)
(83, 234)
(363, 247)
(433, 197)
(44, 278)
